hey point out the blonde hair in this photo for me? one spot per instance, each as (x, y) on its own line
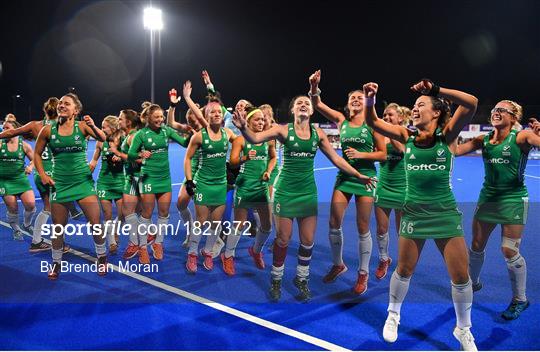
(407, 113)
(401, 112)
(113, 121)
(148, 109)
(10, 117)
(49, 107)
(516, 108)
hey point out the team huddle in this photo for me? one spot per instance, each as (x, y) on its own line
(270, 169)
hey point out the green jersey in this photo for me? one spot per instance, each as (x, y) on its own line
(296, 191)
(71, 174)
(12, 163)
(430, 209)
(504, 197)
(504, 164)
(391, 186)
(157, 142)
(46, 156)
(131, 168)
(13, 179)
(211, 176)
(111, 175)
(155, 171)
(359, 138)
(250, 189)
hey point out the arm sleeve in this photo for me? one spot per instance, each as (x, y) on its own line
(135, 147)
(180, 139)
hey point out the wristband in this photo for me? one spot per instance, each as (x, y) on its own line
(369, 101)
(435, 89)
(314, 94)
(210, 87)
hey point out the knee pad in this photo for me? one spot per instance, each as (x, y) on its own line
(511, 243)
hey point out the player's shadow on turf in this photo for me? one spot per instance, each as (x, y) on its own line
(495, 339)
(422, 334)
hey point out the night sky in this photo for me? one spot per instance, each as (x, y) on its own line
(264, 51)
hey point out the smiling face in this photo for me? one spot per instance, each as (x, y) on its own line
(268, 117)
(355, 104)
(192, 120)
(257, 122)
(241, 105)
(67, 107)
(301, 107)
(503, 115)
(392, 116)
(107, 129)
(423, 112)
(213, 113)
(8, 126)
(155, 119)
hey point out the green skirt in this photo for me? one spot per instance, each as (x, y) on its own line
(14, 186)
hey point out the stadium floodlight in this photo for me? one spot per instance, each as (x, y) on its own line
(152, 19)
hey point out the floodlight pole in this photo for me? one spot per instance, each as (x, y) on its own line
(152, 65)
(153, 22)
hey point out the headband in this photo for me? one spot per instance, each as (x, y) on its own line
(252, 113)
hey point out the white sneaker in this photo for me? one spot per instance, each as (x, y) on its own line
(218, 246)
(391, 327)
(465, 338)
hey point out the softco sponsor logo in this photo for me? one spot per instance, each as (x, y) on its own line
(498, 161)
(159, 150)
(353, 139)
(393, 157)
(69, 149)
(259, 157)
(426, 167)
(217, 155)
(302, 154)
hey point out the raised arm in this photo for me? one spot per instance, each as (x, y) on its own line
(173, 101)
(42, 140)
(92, 164)
(275, 132)
(534, 125)
(400, 147)
(180, 139)
(399, 133)
(208, 83)
(23, 130)
(527, 139)
(186, 91)
(463, 114)
(470, 146)
(315, 95)
(341, 163)
(88, 128)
